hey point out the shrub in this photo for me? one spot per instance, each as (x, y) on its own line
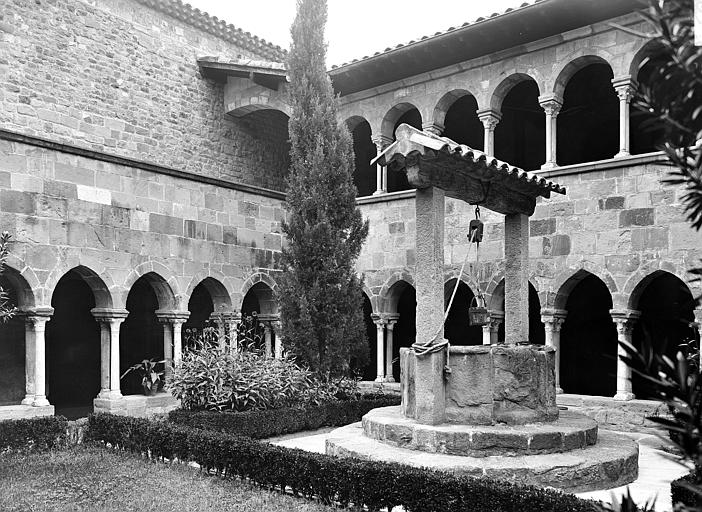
(215, 377)
(40, 433)
(263, 424)
(329, 479)
(681, 491)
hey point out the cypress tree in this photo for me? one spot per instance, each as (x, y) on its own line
(320, 295)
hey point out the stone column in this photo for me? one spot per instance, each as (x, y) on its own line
(392, 320)
(697, 324)
(624, 319)
(381, 173)
(433, 128)
(109, 320)
(625, 88)
(170, 344)
(379, 321)
(278, 331)
(553, 320)
(490, 118)
(233, 319)
(552, 106)
(268, 339)
(34, 328)
(516, 278)
(36, 323)
(430, 393)
(492, 328)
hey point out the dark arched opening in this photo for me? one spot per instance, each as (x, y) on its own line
(588, 123)
(537, 333)
(398, 180)
(462, 125)
(405, 330)
(141, 336)
(457, 328)
(12, 351)
(364, 176)
(667, 310)
(646, 132)
(73, 348)
(201, 306)
(588, 340)
(520, 137)
(368, 372)
(257, 301)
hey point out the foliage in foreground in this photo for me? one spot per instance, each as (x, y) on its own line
(319, 294)
(40, 433)
(6, 310)
(218, 378)
(329, 479)
(263, 424)
(91, 478)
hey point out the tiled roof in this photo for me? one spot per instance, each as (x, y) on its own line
(200, 19)
(440, 33)
(454, 167)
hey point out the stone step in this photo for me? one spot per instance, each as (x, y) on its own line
(571, 431)
(611, 462)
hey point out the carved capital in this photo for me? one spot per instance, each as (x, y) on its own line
(625, 320)
(489, 118)
(381, 142)
(433, 128)
(551, 106)
(625, 87)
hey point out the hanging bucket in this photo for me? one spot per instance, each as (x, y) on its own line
(477, 312)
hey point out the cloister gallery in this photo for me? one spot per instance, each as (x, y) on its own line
(142, 180)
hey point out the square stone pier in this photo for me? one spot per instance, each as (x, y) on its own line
(510, 383)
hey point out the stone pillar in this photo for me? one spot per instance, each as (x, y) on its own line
(109, 320)
(697, 324)
(490, 118)
(624, 319)
(379, 321)
(392, 320)
(36, 323)
(34, 371)
(233, 319)
(551, 107)
(278, 331)
(492, 328)
(516, 278)
(170, 344)
(430, 392)
(381, 173)
(433, 128)
(625, 88)
(553, 320)
(268, 339)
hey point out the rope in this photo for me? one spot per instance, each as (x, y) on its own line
(429, 347)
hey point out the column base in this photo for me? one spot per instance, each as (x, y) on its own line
(559, 390)
(379, 192)
(624, 396)
(40, 401)
(389, 379)
(549, 165)
(380, 378)
(110, 394)
(622, 154)
(28, 400)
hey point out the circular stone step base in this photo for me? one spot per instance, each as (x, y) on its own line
(571, 431)
(610, 463)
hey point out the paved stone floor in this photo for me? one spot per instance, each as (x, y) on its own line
(656, 467)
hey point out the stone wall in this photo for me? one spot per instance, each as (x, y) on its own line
(616, 221)
(119, 77)
(121, 222)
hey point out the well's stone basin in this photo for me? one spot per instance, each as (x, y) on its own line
(570, 432)
(489, 384)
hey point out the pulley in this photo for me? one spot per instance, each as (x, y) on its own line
(475, 228)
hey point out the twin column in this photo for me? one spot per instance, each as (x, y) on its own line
(385, 326)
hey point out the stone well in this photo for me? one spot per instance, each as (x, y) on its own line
(486, 410)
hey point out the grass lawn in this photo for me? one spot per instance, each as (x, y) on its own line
(94, 478)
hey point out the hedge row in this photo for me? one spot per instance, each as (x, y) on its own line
(40, 433)
(276, 422)
(329, 479)
(680, 493)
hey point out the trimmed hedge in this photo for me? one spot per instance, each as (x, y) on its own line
(41, 433)
(329, 479)
(681, 494)
(276, 422)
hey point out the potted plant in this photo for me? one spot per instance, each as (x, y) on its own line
(151, 378)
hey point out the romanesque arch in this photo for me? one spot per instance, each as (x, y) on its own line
(160, 278)
(207, 297)
(73, 342)
(575, 63)
(456, 112)
(364, 176)
(12, 333)
(400, 113)
(588, 336)
(369, 371)
(457, 328)
(400, 300)
(495, 297)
